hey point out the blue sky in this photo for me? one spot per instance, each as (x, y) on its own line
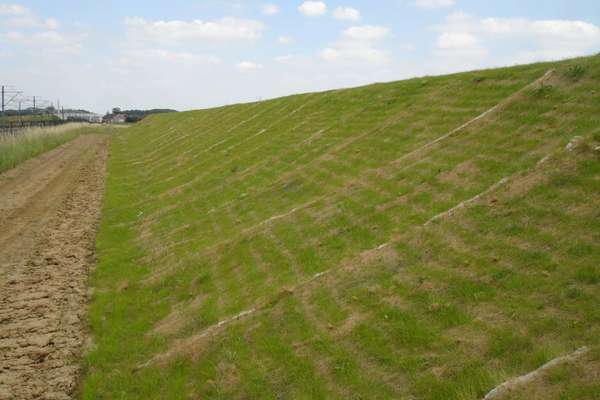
(195, 54)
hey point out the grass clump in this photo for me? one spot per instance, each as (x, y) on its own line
(575, 72)
(543, 91)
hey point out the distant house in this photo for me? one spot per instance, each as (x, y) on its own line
(115, 119)
(78, 115)
(118, 116)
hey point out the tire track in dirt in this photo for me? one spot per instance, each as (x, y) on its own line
(49, 210)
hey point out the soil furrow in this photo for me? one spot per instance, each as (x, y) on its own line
(49, 209)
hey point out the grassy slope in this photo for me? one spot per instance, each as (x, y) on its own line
(31, 143)
(214, 212)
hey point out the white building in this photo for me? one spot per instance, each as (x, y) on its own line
(79, 115)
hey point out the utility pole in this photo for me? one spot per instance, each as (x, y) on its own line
(21, 101)
(5, 91)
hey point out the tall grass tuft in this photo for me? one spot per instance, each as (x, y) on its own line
(29, 143)
(575, 72)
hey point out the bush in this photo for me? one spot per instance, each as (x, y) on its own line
(543, 91)
(575, 72)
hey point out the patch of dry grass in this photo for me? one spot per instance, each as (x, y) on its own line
(30, 142)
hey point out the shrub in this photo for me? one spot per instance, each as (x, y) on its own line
(575, 72)
(543, 91)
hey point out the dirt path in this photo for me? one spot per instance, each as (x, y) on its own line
(49, 209)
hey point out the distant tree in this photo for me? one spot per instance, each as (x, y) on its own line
(116, 110)
(131, 119)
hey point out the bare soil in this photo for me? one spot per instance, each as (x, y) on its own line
(49, 211)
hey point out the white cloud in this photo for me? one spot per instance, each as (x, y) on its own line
(546, 39)
(285, 40)
(434, 3)
(179, 31)
(531, 56)
(46, 41)
(358, 44)
(347, 14)
(248, 66)
(156, 67)
(13, 9)
(465, 41)
(14, 16)
(29, 22)
(285, 59)
(457, 40)
(540, 32)
(354, 52)
(22, 30)
(562, 30)
(52, 23)
(459, 45)
(366, 32)
(330, 54)
(50, 37)
(270, 9)
(132, 79)
(177, 57)
(555, 36)
(313, 8)
(460, 50)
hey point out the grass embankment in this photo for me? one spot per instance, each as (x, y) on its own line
(237, 211)
(14, 149)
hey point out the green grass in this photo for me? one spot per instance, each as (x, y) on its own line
(213, 212)
(24, 145)
(27, 118)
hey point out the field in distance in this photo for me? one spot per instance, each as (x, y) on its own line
(422, 239)
(27, 118)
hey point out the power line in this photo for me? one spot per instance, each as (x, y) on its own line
(7, 91)
(11, 95)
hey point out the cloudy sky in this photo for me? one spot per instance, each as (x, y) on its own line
(189, 54)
